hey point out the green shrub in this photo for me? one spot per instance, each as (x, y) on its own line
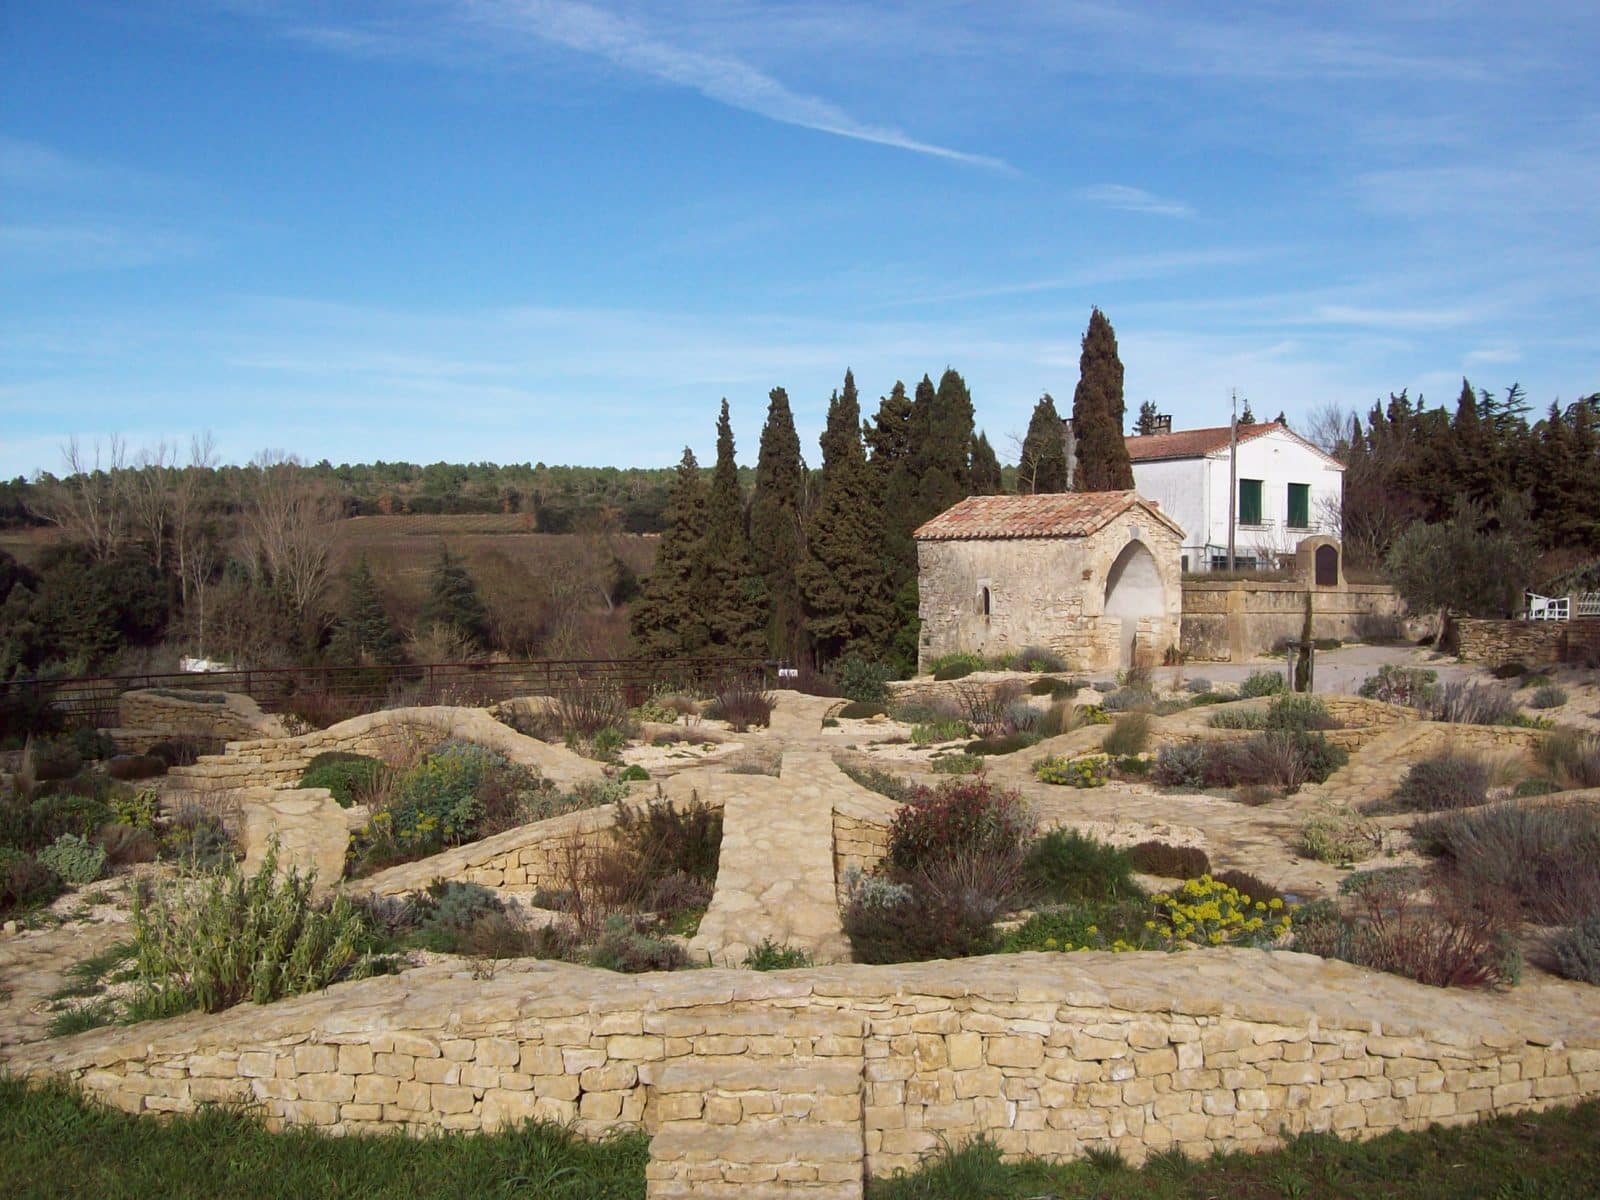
(347, 776)
(1116, 926)
(1445, 781)
(939, 731)
(1066, 865)
(1534, 681)
(1281, 758)
(1262, 683)
(1056, 689)
(624, 947)
(1534, 787)
(770, 956)
(1298, 713)
(1576, 951)
(659, 840)
(1089, 771)
(1036, 658)
(863, 679)
(25, 882)
(1130, 734)
(135, 766)
(949, 662)
(1008, 743)
(1510, 670)
(1169, 861)
(606, 742)
(859, 710)
(1338, 835)
(889, 922)
(1572, 758)
(957, 818)
(1207, 698)
(1409, 686)
(76, 860)
(1133, 764)
(957, 764)
(1548, 696)
(885, 783)
(238, 938)
(125, 844)
(1328, 643)
(632, 773)
(139, 809)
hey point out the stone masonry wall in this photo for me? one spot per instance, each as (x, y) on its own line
(1238, 619)
(166, 716)
(844, 1069)
(1490, 643)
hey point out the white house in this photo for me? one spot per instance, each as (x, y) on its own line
(1288, 490)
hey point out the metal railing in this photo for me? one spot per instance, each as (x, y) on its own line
(93, 699)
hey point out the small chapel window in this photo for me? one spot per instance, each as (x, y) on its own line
(983, 600)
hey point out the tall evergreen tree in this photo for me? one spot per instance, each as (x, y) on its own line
(1146, 423)
(941, 452)
(1097, 412)
(893, 437)
(986, 479)
(846, 589)
(666, 620)
(365, 633)
(1043, 463)
(453, 605)
(777, 537)
(731, 596)
(1248, 416)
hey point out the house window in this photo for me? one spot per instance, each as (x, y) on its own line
(1299, 506)
(1249, 501)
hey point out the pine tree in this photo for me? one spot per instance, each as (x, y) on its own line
(1146, 424)
(1097, 412)
(985, 475)
(453, 605)
(666, 621)
(847, 601)
(730, 593)
(777, 541)
(1248, 416)
(1043, 463)
(364, 632)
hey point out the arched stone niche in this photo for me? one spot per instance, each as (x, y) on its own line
(1319, 561)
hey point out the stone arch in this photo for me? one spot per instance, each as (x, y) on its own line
(1134, 589)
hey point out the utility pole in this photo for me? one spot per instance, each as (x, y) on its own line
(1233, 475)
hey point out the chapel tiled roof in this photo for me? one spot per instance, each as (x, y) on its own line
(1049, 515)
(1191, 443)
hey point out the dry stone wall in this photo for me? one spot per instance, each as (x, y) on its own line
(849, 1070)
(1240, 619)
(1490, 643)
(155, 715)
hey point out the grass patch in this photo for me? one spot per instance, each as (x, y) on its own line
(55, 1143)
(1550, 1155)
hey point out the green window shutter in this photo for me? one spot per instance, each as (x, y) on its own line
(1249, 501)
(1299, 506)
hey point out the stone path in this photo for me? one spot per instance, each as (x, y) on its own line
(33, 965)
(775, 876)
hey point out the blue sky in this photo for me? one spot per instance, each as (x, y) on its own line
(513, 230)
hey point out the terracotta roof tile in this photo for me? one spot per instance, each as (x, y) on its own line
(1054, 514)
(1191, 443)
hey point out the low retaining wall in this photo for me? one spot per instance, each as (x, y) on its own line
(1534, 643)
(1239, 619)
(166, 715)
(393, 733)
(866, 1068)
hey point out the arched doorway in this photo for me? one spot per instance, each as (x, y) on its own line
(1327, 566)
(1133, 590)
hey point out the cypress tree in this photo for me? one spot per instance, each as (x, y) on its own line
(842, 580)
(364, 631)
(1097, 412)
(893, 437)
(453, 604)
(1146, 424)
(730, 593)
(985, 480)
(941, 451)
(777, 541)
(1043, 465)
(666, 620)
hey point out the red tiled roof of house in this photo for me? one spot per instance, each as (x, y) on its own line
(1052, 514)
(1195, 443)
(1191, 443)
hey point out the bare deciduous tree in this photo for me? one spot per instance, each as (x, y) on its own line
(145, 491)
(84, 503)
(286, 514)
(1328, 427)
(193, 539)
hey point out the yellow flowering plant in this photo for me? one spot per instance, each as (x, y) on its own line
(1206, 912)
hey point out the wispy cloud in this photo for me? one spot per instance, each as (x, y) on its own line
(1132, 199)
(53, 248)
(634, 47)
